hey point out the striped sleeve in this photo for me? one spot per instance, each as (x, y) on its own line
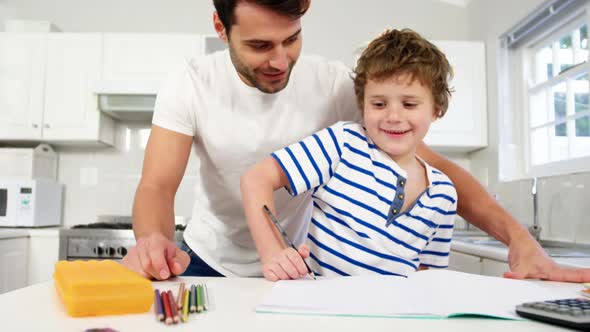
(437, 250)
(312, 161)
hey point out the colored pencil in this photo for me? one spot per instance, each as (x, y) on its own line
(199, 298)
(167, 310)
(180, 296)
(175, 317)
(193, 299)
(205, 297)
(185, 306)
(158, 306)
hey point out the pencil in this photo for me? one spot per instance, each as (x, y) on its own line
(199, 298)
(167, 310)
(175, 317)
(285, 237)
(193, 299)
(185, 306)
(205, 297)
(158, 306)
(180, 296)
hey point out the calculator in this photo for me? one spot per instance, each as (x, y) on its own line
(573, 313)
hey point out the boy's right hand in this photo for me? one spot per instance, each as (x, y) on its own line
(156, 257)
(286, 264)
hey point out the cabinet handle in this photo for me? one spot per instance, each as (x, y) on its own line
(46, 126)
(35, 126)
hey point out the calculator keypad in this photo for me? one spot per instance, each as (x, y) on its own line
(567, 312)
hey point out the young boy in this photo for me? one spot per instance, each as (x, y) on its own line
(377, 207)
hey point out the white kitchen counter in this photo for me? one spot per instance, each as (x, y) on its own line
(501, 254)
(37, 308)
(12, 233)
(28, 232)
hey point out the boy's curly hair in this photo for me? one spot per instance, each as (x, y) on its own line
(397, 52)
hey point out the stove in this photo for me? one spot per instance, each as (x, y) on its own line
(101, 240)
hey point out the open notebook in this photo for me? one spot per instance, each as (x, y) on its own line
(428, 294)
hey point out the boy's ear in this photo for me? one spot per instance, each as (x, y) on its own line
(436, 113)
(219, 28)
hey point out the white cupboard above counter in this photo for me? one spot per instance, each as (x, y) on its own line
(45, 95)
(50, 82)
(464, 127)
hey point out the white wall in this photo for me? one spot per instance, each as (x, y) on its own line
(563, 207)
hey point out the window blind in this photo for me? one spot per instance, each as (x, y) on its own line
(541, 21)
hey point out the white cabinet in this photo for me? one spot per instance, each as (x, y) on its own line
(43, 254)
(22, 70)
(13, 263)
(461, 262)
(146, 57)
(494, 268)
(46, 88)
(464, 126)
(71, 110)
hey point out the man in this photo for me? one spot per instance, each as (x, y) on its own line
(237, 107)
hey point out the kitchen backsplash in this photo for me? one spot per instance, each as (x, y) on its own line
(563, 205)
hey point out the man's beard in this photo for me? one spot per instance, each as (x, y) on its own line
(250, 76)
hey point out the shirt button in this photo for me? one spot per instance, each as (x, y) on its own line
(402, 183)
(394, 211)
(401, 196)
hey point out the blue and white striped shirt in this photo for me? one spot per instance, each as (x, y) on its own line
(356, 226)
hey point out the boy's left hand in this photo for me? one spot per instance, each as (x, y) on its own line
(286, 264)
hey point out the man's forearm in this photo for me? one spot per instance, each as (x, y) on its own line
(475, 204)
(153, 212)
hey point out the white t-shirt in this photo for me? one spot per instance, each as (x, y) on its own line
(234, 126)
(357, 225)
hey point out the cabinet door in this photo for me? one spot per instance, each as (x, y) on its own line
(43, 254)
(22, 70)
(464, 126)
(73, 68)
(465, 263)
(494, 268)
(13, 264)
(146, 57)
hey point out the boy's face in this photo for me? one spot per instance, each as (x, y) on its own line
(397, 114)
(264, 46)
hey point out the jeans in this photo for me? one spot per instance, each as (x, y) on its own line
(197, 267)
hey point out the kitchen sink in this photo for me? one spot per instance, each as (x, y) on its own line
(553, 248)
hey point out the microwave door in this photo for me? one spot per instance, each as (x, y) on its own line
(7, 207)
(3, 202)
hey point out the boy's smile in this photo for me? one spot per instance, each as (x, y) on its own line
(397, 114)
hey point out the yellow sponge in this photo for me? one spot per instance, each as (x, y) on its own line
(95, 288)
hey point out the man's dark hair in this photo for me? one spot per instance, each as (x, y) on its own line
(226, 9)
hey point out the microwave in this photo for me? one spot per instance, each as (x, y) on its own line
(30, 202)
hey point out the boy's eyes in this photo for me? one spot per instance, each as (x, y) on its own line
(410, 105)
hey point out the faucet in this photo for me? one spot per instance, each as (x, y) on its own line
(535, 228)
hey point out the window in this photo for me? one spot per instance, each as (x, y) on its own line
(551, 61)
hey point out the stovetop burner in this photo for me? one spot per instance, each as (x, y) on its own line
(105, 225)
(115, 225)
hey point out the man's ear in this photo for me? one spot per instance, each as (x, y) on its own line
(219, 28)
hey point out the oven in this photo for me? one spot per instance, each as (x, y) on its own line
(101, 240)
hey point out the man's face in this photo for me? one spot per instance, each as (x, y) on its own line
(264, 47)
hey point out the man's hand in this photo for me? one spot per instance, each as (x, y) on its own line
(528, 260)
(156, 257)
(286, 264)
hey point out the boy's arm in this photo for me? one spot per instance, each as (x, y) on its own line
(526, 257)
(257, 186)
